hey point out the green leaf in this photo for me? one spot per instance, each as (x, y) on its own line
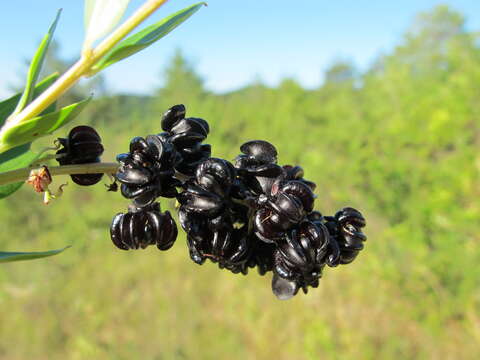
(7, 106)
(146, 37)
(19, 156)
(36, 66)
(19, 256)
(39, 126)
(100, 18)
(13, 159)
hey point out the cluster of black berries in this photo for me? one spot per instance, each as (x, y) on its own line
(250, 214)
(154, 167)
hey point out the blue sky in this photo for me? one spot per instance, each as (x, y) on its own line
(231, 42)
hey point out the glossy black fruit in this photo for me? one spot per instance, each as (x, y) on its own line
(287, 205)
(186, 135)
(257, 166)
(296, 173)
(141, 227)
(302, 254)
(82, 146)
(146, 172)
(346, 228)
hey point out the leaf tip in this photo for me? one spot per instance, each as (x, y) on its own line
(59, 12)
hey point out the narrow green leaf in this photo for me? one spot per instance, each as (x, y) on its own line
(7, 106)
(19, 156)
(39, 126)
(36, 66)
(19, 256)
(146, 37)
(13, 159)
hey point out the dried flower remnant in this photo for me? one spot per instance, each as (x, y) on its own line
(40, 179)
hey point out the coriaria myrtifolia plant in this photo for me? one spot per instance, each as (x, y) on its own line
(250, 214)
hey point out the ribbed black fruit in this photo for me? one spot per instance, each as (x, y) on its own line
(146, 172)
(186, 135)
(82, 146)
(346, 228)
(141, 227)
(302, 254)
(288, 204)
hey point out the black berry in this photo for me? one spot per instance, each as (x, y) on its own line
(82, 146)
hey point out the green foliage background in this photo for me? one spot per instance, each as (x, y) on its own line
(399, 141)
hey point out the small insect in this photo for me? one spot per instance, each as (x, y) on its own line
(112, 187)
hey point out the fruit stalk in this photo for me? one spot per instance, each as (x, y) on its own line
(18, 175)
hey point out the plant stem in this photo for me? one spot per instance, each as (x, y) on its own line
(23, 174)
(82, 66)
(44, 159)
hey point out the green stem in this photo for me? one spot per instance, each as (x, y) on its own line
(19, 175)
(44, 159)
(89, 58)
